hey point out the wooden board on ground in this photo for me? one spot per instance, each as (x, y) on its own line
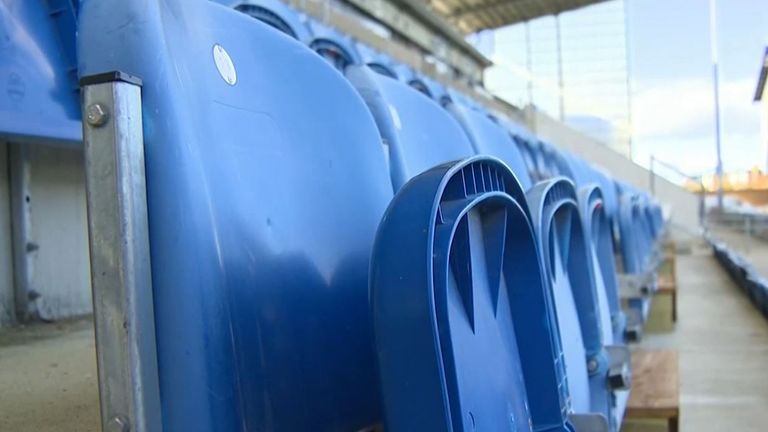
(655, 387)
(663, 314)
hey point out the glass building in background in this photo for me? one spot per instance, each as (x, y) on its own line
(575, 67)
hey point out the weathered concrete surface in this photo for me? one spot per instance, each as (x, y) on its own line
(723, 345)
(48, 380)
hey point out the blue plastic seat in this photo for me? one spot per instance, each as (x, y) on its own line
(487, 136)
(597, 210)
(594, 211)
(264, 197)
(636, 245)
(40, 99)
(338, 49)
(460, 329)
(428, 87)
(576, 283)
(416, 132)
(275, 13)
(381, 63)
(419, 135)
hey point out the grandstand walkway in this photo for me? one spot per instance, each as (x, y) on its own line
(723, 344)
(48, 371)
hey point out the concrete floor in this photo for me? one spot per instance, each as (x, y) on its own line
(723, 346)
(48, 380)
(48, 372)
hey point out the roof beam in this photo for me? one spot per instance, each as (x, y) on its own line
(471, 16)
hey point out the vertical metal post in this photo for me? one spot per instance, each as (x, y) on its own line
(21, 225)
(628, 63)
(653, 176)
(560, 75)
(529, 62)
(716, 79)
(119, 246)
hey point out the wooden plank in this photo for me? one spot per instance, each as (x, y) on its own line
(655, 385)
(661, 318)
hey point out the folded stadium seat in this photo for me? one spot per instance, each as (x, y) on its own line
(600, 241)
(524, 143)
(377, 61)
(40, 100)
(595, 371)
(265, 187)
(573, 301)
(526, 149)
(534, 150)
(606, 207)
(587, 180)
(428, 87)
(416, 133)
(487, 136)
(635, 242)
(447, 298)
(554, 160)
(419, 134)
(275, 13)
(336, 48)
(609, 393)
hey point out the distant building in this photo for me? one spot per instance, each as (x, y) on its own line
(761, 95)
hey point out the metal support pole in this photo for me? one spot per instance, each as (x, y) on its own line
(652, 176)
(119, 246)
(628, 62)
(529, 62)
(560, 78)
(716, 79)
(21, 225)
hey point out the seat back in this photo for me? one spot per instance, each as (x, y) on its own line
(489, 138)
(416, 132)
(276, 14)
(40, 101)
(381, 63)
(565, 253)
(460, 313)
(338, 49)
(265, 186)
(599, 230)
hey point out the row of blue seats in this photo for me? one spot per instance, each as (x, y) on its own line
(744, 274)
(492, 300)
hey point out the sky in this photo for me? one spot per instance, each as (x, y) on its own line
(667, 52)
(672, 82)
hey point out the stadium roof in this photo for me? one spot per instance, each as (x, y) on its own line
(474, 15)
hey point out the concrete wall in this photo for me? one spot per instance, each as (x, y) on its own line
(60, 230)
(44, 266)
(682, 205)
(7, 313)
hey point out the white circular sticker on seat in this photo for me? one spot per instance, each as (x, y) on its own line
(224, 64)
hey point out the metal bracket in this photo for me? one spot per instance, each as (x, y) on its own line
(119, 245)
(619, 367)
(635, 285)
(634, 329)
